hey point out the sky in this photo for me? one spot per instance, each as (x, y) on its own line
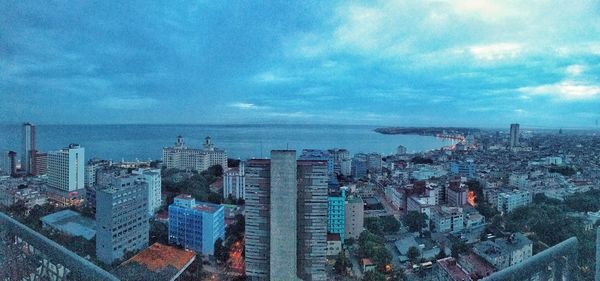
(399, 63)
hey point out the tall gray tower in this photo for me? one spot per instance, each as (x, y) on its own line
(284, 195)
(514, 135)
(28, 148)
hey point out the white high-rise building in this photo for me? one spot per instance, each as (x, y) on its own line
(184, 158)
(234, 181)
(153, 179)
(28, 148)
(66, 174)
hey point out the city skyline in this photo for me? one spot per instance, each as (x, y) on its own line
(459, 63)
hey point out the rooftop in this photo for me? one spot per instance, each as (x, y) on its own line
(72, 223)
(453, 269)
(157, 262)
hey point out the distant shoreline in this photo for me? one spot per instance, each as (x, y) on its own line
(426, 131)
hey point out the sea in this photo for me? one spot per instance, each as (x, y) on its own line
(145, 142)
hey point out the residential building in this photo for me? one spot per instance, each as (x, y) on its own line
(153, 179)
(121, 218)
(66, 175)
(447, 219)
(505, 252)
(234, 182)
(196, 225)
(184, 158)
(41, 163)
(449, 270)
(396, 196)
(28, 149)
(510, 200)
(312, 219)
(334, 244)
(319, 155)
(465, 169)
(374, 162)
(456, 193)
(342, 163)
(286, 218)
(354, 217)
(336, 212)
(359, 165)
(514, 135)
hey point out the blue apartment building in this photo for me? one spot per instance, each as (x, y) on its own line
(196, 225)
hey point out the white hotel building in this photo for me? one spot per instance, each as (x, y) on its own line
(184, 158)
(66, 175)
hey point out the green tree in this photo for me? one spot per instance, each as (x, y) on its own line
(159, 232)
(341, 263)
(374, 275)
(390, 224)
(458, 248)
(221, 253)
(415, 221)
(413, 254)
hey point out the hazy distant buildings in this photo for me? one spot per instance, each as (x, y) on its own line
(181, 157)
(121, 218)
(28, 149)
(196, 225)
(466, 169)
(401, 150)
(66, 174)
(514, 135)
(234, 182)
(12, 159)
(286, 218)
(342, 163)
(359, 165)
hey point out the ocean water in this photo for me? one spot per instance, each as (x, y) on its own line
(143, 142)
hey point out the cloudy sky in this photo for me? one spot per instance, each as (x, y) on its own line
(471, 63)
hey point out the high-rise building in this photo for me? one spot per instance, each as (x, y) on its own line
(41, 163)
(258, 217)
(66, 174)
(12, 159)
(342, 163)
(286, 218)
(514, 135)
(283, 203)
(28, 149)
(354, 217)
(312, 219)
(374, 162)
(121, 218)
(153, 179)
(359, 165)
(336, 212)
(196, 225)
(184, 158)
(319, 155)
(234, 182)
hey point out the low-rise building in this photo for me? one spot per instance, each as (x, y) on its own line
(505, 252)
(448, 219)
(196, 225)
(449, 270)
(334, 244)
(510, 200)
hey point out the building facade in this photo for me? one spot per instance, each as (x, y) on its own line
(234, 182)
(286, 218)
(66, 174)
(514, 135)
(196, 225)
(336, 212)
(153, 179)
(510, 200)
(28, 149)
(184, 158)
(354, 217)
(121, 218)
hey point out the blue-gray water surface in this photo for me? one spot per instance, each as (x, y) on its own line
(143, 142)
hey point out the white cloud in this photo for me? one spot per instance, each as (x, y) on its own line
(575, 70)
(246, 106)
(565, 91)
(128, 103)
(495, 52)
(272, 77)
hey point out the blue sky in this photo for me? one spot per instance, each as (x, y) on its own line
(461, 62)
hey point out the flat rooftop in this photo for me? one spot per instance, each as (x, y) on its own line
(157, 262)
(72, 223)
